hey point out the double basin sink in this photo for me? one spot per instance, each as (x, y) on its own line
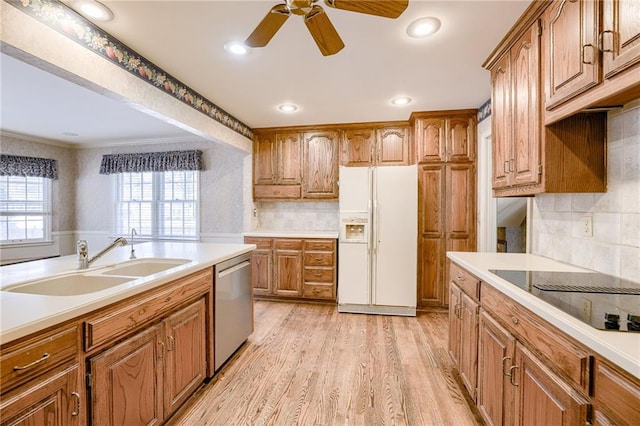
(85, 282)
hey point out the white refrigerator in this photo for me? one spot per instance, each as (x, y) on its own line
(378, 240)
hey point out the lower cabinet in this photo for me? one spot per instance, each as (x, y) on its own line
(463, 336)
(294, 268)
(144, 379)
(55, 398)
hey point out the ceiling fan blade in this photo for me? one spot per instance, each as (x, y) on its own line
(268, 27)
(384, 8)
(323, 31)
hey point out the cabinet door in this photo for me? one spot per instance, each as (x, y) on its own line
(430, 134)
(455, 304)
(542, 397)
(495, 357)
(501, 121)
(461, 139)
(264, 159)
(288, 170)
(469, 344)
(185, 360)
(358, 147)
(620, 38)
(392, 146)
(51, 399)
(126, 381)
(572, 56)
(525, 79)
(288, 274)
(431, 229)
(261, 271)
(320, 174)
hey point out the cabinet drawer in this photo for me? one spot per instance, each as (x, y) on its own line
(288, 244)
(277, 191)
(318, 291)
(261, 243)
(37, 355)
(567, 357)
(322, 275)
(124, 317)
(617, 394)
(319, 245)
(467, 282)
(318, 259)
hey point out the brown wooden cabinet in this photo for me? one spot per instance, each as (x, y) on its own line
(392, 146)
(572, 59)
(358, 147)
(320, 165)
(277, 165)
(446, 212)
(302, 268)
(620, 36)
(56, 397)
(463, 336)
(445, 136)
(616, 395)
(541, 396)
(144, 379)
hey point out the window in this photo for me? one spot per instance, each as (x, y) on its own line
(159, 205)
(25, 209)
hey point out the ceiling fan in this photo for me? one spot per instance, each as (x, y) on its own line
(317, 21)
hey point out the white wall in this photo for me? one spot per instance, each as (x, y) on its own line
(614, 247)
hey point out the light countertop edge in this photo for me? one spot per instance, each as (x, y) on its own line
(621, 348)
(25, 314)
(266, 233)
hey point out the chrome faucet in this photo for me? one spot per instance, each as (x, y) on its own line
(84, 261)
(133, 250)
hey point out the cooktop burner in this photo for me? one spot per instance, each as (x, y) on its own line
(603, 301)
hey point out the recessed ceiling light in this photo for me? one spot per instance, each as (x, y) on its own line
(235, 47)
(93, 9)
(423, 27)
(70, 134)
(288, 108)
(401, 100)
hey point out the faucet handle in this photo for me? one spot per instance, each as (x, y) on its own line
(83, 248)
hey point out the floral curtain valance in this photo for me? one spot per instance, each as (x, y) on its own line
(151, 162)
(15, 165)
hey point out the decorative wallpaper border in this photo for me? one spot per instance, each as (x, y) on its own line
(485, 110)
(61, 18)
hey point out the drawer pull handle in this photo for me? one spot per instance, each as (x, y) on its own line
(317, 274)
(76, 412)
(167, 300)
(460, 278)
(514, 320)
(511, 375)
(31, 364)
(508, 374)
(318, 259)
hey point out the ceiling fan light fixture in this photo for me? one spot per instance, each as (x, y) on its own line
(423, 27)
(93, 9)
(401, 101)
(288, 108)
(236, 47)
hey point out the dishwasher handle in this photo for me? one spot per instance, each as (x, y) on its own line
(233, 268)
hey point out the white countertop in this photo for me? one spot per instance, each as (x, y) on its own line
(23, 314)
(621, 348)
(266, 233)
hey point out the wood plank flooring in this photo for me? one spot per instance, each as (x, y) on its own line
(307, 364)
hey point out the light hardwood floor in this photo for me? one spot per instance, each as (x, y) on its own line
(307, 364)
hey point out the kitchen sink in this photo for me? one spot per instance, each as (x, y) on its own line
(143, 267)
(69, 285)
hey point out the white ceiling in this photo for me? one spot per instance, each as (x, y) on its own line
(186, 39)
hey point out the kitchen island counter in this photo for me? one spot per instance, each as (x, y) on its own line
(621, 348)
(23, 314)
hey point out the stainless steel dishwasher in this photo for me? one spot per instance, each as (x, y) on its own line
(233, 306)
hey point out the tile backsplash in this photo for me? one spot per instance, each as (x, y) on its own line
(614, 247)
(296, 216)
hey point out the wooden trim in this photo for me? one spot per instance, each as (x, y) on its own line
(450, 113)
(337, 127)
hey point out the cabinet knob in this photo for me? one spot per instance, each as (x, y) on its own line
(514, 320)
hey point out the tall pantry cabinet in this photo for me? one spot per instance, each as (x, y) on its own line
(446, 150)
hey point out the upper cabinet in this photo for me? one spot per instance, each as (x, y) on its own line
(276, 165)
(445, 136)
(376, 145)
(591, 52)
(320, 165)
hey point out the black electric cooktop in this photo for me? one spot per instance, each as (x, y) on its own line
(603, 301)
